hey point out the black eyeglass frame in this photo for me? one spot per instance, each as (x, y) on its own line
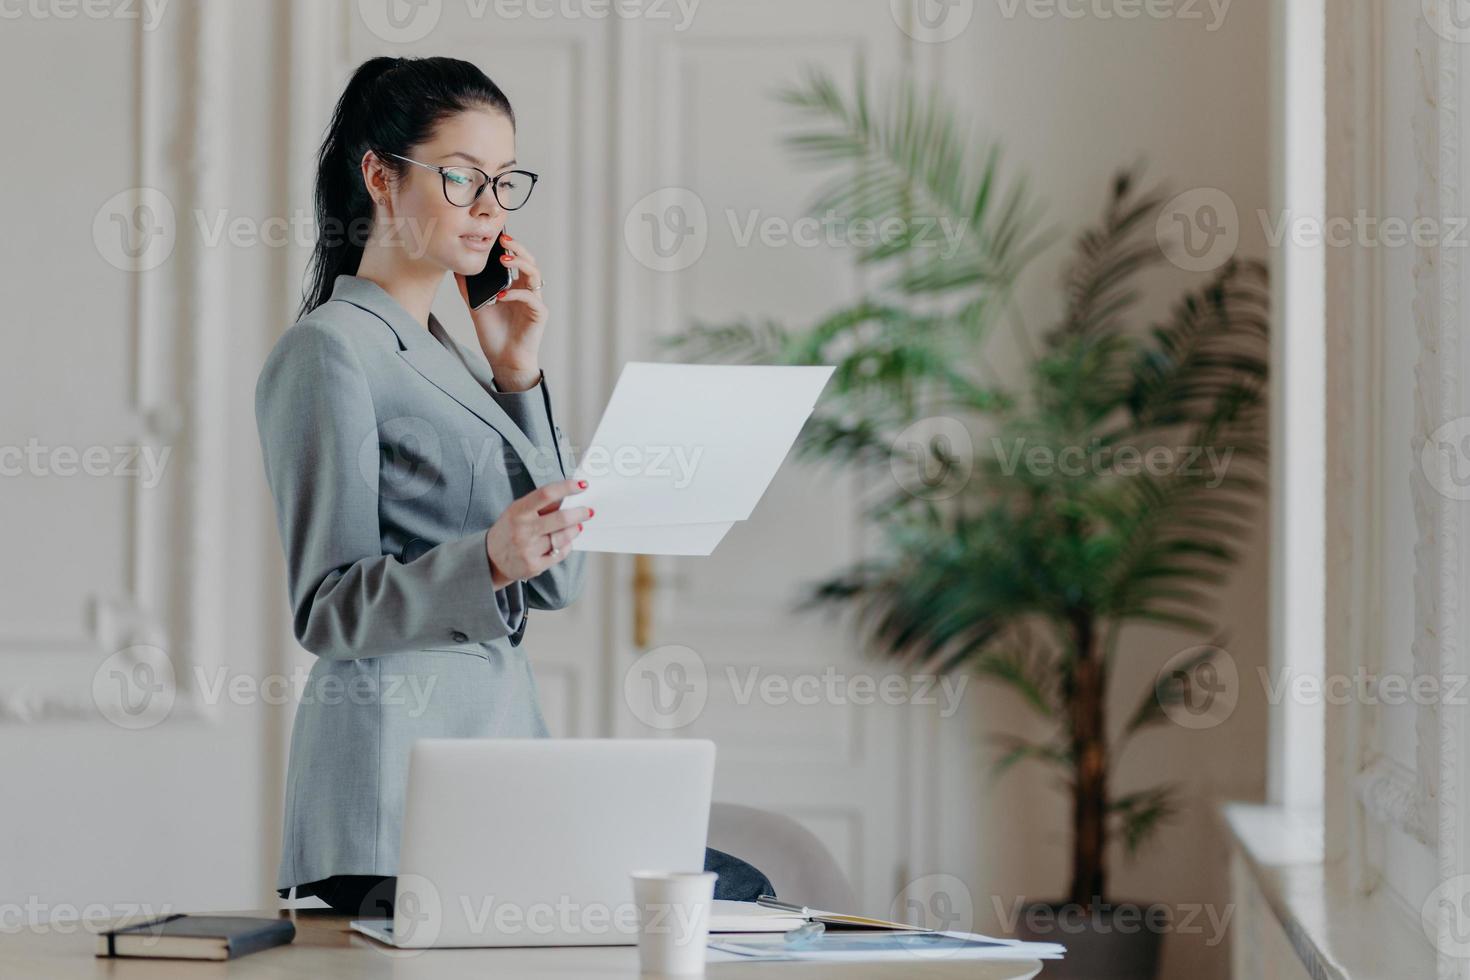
(491, 182)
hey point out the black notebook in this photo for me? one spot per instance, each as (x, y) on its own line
(197, 937)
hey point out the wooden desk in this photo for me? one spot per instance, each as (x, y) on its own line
(325, 948)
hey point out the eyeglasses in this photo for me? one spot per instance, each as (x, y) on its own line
(464, 185)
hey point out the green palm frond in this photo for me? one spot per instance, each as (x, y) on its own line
(1139, 816)
(1023, 556)
(1015, 750)
(742, 342)
(1098, 286)
(1167, 692)
(907, 165)
(1208, 363)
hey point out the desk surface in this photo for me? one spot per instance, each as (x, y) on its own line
(326, 948)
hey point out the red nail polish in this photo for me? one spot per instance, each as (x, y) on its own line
(579, 527)
(501, 294)
(582, 484)
(590, 512)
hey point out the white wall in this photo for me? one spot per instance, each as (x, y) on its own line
(185, 812)
(1072, 99)
(118, 816)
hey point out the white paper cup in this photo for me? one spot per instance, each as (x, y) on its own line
(673, 920)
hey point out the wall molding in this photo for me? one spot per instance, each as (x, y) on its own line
(177, 533)
(1395, 796)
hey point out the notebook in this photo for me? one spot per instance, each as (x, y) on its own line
(196, 937)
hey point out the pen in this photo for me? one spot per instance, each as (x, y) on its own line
(771, 902)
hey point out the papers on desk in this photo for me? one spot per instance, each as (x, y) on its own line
(887, 946)
(850, 937)
(683, 451)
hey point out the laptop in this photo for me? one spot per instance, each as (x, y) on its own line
(530, 841)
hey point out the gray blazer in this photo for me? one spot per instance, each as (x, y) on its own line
(389, 451)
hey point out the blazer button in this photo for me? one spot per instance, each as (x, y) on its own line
(459, 637)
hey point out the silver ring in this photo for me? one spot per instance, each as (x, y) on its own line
(538, 286)
(555, 551)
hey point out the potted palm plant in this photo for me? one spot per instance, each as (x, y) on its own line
(999, 555)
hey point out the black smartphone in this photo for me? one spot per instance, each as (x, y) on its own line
(486, 284)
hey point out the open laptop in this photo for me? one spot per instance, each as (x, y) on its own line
(530, 841)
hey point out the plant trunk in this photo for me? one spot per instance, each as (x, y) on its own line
(1090, 758)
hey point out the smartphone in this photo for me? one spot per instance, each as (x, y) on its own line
(486, 284)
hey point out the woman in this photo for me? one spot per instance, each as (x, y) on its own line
(421, 488)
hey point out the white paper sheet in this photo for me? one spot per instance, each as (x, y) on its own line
(672, 539)
(689, 444)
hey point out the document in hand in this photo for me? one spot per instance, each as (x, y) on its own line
(684, 451)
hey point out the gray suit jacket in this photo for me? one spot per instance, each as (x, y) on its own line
(389, 451)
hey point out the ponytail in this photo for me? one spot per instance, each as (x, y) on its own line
(389, 106)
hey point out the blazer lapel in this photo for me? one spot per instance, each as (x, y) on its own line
(446, 370)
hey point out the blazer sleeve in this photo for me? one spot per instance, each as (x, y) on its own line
(561, 584)
(314, 412)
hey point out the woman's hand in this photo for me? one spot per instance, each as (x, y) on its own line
(518, 544)
(510, 329)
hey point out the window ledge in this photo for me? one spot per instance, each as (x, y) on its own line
(1338, 935)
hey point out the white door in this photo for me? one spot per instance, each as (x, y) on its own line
(623, 116)
(708, 195)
